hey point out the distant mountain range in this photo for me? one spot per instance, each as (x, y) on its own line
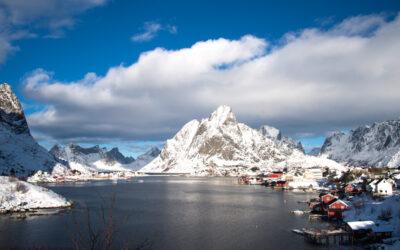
(374, 145)
(216, 145)
(21, 155)
(220, 145)
(94, 159)
(283, 142)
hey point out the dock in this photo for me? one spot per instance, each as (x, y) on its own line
(316, 217)
(326, 237)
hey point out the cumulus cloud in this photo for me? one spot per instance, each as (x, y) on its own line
(24, 18)
(314, 82)
(151, 29)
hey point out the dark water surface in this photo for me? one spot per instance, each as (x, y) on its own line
(174, 213)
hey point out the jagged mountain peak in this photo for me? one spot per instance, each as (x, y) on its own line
(220, 145)
(284, 142)
(9, 101)
(154, 151)
(20, 154)
(90, 150)
(223, 115)
(270, 132)
(11, 112)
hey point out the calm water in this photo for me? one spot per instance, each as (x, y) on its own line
(174, 213)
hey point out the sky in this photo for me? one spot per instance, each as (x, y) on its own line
(132, 73)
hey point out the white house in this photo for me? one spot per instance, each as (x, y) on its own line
(384, 187)
(313, 174)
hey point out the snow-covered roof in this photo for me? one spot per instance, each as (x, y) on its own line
(359, 225)
(339, 201)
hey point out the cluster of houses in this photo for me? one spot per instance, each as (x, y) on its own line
(329, 205)
(335, 198)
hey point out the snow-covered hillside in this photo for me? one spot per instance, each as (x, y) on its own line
(283, 142)
(315, 151)
(20, 154)
(95, 159)
(220, 145)
(16, 195)
(376, 145)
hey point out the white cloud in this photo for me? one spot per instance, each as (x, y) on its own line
(20, 19)
(317, 81)
(151, 30)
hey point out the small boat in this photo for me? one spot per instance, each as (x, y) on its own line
(298, 212)
(298, 231)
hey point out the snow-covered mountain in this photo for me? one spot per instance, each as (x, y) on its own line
(94, 159)
(283, 142)
(375, 145)
(144, 159)
(20, 154)
(220, 145)
(314, 151)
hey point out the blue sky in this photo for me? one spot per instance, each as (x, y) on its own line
(71, 61)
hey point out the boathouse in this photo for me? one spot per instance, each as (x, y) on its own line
(282, 184)
(359, 229)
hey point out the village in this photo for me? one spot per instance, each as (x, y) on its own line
(362, 204)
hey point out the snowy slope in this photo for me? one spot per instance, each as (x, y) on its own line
(17, 195)
(283, 142)
(314, 151)
(376, 145)
(144, 159)
(96, 159)
(20, 154)
(220, 145)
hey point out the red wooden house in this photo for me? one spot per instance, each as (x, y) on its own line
(336, 208)
(282, 184)
(275, 175)
(325, 199)
(349, 188)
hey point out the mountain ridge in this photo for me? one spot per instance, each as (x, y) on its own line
(219, 145)
(368, 145)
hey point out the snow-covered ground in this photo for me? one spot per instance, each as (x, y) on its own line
(16, 195)
(385, 213)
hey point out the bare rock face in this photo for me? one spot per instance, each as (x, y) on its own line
(20, 154)
(374, 145)
(220, 145)
(11, 113)
(93, 159)
(282, 141)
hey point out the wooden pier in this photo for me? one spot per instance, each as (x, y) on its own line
(326, 237)
(316, 217)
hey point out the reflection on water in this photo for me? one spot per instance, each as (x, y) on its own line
(175, 213)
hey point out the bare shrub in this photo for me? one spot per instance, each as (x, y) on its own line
(386, 214)
(372, 210)
(12, 179)
(102, 237)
